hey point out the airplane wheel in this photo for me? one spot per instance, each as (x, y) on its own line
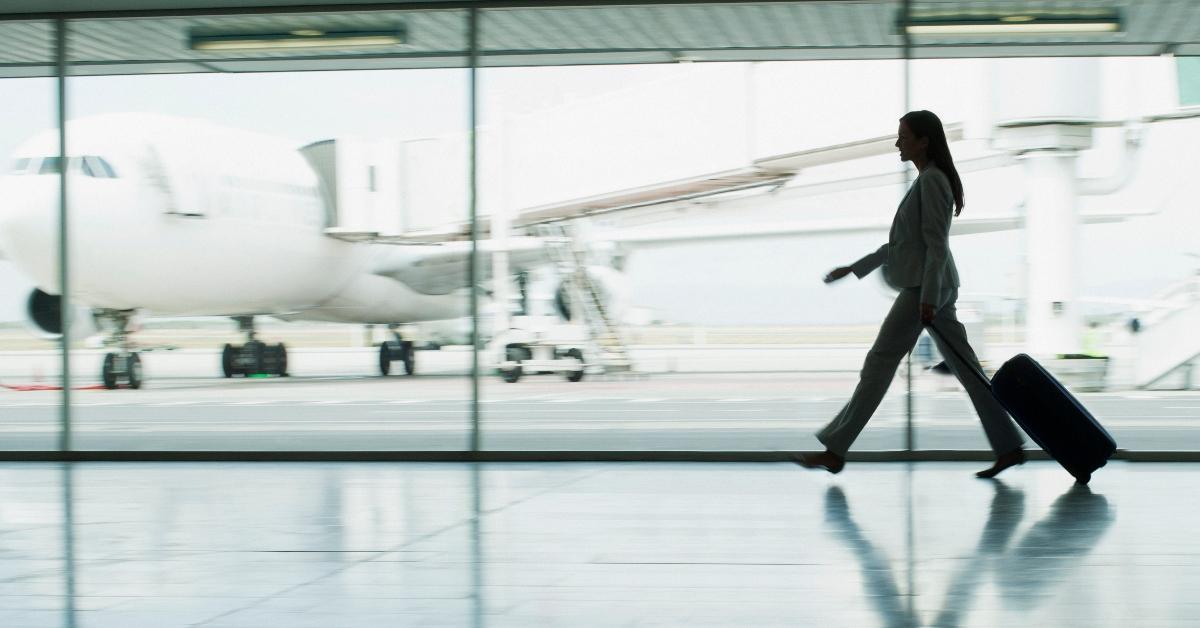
(574, 376)
(133, 367)
(409, 356)
(227, 360)
(107, 372)
(281, 360)
(259, 351)
(385, 359)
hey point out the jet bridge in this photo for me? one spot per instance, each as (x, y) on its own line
(1163, 342)
(360, 181)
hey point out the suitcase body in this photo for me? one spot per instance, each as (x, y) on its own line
(1048, 412)
(1052, 416)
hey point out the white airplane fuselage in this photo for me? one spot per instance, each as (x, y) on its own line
(180, 217)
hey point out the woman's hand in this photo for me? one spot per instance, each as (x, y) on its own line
(927, 312)
(837, 273)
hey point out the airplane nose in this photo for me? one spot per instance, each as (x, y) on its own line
(29, 226)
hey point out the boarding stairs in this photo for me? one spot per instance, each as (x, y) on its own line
(604, 343)
(1167, 340)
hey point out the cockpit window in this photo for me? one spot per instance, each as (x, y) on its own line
(50, 165)
(89, 165)
(99, 168)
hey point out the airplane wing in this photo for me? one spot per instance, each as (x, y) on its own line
(442, 268)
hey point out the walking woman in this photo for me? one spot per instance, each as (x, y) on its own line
(916, 260)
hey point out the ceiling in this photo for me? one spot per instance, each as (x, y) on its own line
(562, 35)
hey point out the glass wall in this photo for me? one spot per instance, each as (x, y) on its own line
(231, 240)
(270, 225)
(716, 299)
(1075, 244)
(30, 361)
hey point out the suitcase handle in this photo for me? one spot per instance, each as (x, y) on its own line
(979, 374)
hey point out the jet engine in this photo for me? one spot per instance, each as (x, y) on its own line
(610, 285)
(42, 316)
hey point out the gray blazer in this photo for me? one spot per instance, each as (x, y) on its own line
(917, 252)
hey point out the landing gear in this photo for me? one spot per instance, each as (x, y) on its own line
(123, 365)
(397, 350)
(255, 357)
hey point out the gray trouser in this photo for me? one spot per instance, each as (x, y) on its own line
(896, 338)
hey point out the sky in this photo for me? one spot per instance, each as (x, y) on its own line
(564, 132)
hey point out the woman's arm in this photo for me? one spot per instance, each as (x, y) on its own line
(870, 262)
(937, 205)
(862, 267)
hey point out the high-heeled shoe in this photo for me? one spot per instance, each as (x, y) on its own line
(1012, 458)
(827, 460)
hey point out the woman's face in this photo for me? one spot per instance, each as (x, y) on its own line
(910, 147)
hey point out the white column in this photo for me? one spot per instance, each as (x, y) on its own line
(1049, 152)
(1051, 256)
(1044, 109)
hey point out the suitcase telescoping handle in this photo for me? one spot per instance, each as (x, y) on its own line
(978, 372)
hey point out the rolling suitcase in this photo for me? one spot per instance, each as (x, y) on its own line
(1051, 415)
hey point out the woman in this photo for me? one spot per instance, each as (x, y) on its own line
(917, 261)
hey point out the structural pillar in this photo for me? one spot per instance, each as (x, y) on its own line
(1048, 152)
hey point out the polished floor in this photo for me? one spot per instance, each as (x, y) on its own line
(614, 544)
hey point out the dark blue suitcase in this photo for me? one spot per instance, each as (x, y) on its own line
(1050, 414)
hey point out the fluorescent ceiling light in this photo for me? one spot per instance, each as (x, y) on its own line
(1015, 24)
(307, 37)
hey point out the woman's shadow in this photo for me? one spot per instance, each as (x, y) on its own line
(1076, 521)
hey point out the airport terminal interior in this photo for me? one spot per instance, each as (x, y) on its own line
(520, 313)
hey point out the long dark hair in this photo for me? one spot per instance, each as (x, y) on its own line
(926, 124)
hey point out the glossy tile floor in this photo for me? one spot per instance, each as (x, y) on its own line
(527, 545)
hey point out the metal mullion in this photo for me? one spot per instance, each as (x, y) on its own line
(473, 269)
(64, 278)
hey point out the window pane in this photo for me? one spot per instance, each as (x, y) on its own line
(1077, 243)
(30, 361)
(215, 243)
(717, 300)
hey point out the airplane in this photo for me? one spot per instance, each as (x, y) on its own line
(177, 217)
(182, 217)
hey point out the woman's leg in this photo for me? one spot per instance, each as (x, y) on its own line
(1001, 433)
(896, 338)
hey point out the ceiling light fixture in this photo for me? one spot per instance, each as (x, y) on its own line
(1015, 24)
(296, 38)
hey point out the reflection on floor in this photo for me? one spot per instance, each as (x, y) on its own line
(529, 545)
